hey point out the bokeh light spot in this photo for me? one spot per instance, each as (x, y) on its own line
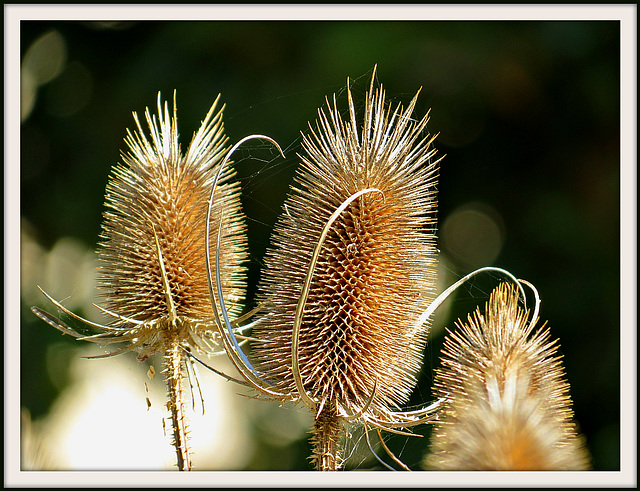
(46, 56)
(473, 235)
(43, 61)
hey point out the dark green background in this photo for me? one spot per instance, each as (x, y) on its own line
(528, 115)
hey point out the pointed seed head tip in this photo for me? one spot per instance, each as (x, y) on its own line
(506, 403)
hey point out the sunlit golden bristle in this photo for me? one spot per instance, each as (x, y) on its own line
(376, 270)
(506, 403)
(159, 192)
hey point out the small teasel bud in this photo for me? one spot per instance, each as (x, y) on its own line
(505, 402)
(153, 274)
(350, 270)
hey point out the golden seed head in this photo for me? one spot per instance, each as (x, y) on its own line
(506, 403)
(159, 192)
(376, 269)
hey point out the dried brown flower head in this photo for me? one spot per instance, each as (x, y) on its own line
(351, 268)
(162, 193)
(506, 405)
(153, 274)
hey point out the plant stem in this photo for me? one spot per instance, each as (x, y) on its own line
(326, 433)
(176, 406)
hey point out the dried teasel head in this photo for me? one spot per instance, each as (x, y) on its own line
(162, 196)
(351, 269)
(153, 274)
(505, 402)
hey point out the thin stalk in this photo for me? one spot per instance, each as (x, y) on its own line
(176, 406)
(326, 434)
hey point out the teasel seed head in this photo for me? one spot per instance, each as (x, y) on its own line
(153, 274)
(360, 341)
(506, 402)
(155, 219)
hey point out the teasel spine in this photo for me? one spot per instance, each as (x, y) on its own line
(364, 201)
(506, 401)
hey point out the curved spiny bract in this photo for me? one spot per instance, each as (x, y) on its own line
(506, 403)
(161, 193)
(375, 274)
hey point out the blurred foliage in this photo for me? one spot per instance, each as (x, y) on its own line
(528, 116)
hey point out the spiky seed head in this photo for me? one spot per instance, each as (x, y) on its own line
(507, 404)
(161, 192)
(376, 270)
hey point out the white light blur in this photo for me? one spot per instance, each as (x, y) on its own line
(102, 421)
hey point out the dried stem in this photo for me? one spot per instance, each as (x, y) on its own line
(326, 434)
(176, 404)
